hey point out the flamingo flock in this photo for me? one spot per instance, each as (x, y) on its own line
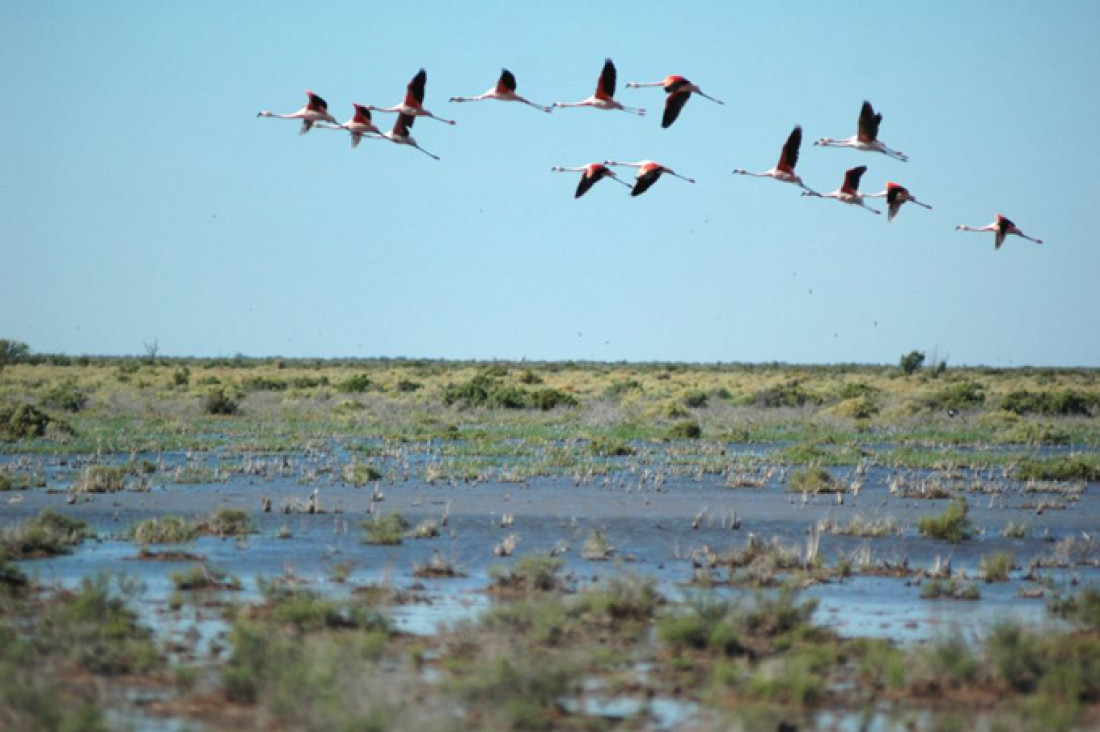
(678, 90)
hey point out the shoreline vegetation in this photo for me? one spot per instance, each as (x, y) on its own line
(735, 644)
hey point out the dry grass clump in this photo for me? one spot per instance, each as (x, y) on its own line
(46, 535)
(227, 522)
(163, 530)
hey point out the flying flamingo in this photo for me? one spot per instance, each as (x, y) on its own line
(358, 126)
(679, 91)
(604, 98)
(413, 105)
(505, 91)
(315, 110)
(400, 134)
(788, 158)
(895, 195)
(867, 137)
(593, 173)
(849, 192)
(1003, 227)
(648, 173)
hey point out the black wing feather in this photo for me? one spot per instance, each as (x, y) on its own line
(790, 149)
(507, 80)
(673, 105)
(645, 181)
(869, 122)
(852, 176)
(587, 181)
(608, 78)
(416, 86)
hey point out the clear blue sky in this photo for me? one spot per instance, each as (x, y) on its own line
(142, 199)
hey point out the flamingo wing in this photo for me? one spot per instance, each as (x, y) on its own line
(851, 178)
(414, 96)
(605, 89)
(789, 157)
(590, 178)
(673, 104)
(895, 196)
(316, 103)
(507, 82)
(362, 114)
(645, 181)
(403, 124)
(868, 123)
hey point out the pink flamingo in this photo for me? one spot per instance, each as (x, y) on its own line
(315, 110)
(866, 138)
(505, 91)
(592, 174)
(849, 192)
(648, 173)
(788, 158)
(400, 134)
(413, 105)
(359, 126)
(604, 98)
(895, 195)
(679, 91)
(1003, 227)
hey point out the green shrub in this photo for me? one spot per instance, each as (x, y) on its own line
(995, 567)
(860, 407)
(48, 534)
(227, 522)
(1015, 656)
(787, 394)
(387, 529)
(262, 383)
(911, 362)
(360, 473)
(205, 577)
(217, 402)
(961, 395)
(952, 525)
(356, 384)
(949, 589)
(605, 446)
(1064, 468)
(695, 399)
(181, 377)
(23, 422)
(163, 530)
(94, 628)
(66, 396)
(406, 386)
(102, 479)
(814, 480)
(1066, 402)
(532, 573)
(687, 429)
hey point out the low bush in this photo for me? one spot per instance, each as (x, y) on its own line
(66, 396)
(217, 402)
(687, 429)
(952, 525)
(532, 573)
(814, 480)
(1064, 403)
(227, 522)
(1063, 468)
(48, 534)
(387, 529)
(22, 422)
(163, 530)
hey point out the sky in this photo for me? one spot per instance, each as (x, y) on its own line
(142, 200)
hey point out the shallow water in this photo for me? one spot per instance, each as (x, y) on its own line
(650, 525)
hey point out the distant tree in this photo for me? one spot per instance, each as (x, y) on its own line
(152, 348)
(911, 362)
(13, 351)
